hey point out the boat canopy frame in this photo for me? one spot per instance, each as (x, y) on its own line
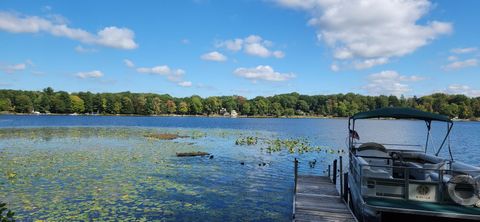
(404, 113)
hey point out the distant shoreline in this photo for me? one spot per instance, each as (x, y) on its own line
(208, 116)
(175, 115)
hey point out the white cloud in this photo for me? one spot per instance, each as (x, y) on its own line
(463, 50)
(160, 70)
(114, 37)
(452, 58)
(89, 75)
(214, 56)
(129, 63)
(335, 68)
(278, 54)
(10, 69)
(172, 75)
(371, 29)
(252, 45)
(263, 73)
(463, 89)
(368, 63)
(461, 64)
(82, 49)
(232, 45)
(185, 84)
(389, 83)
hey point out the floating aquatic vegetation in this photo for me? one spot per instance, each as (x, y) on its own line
(5, 214)
(197, 153)
(297, 145)
(249, 140)
(109, 174)
(164, 136)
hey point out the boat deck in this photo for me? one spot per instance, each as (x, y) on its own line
(317, 199)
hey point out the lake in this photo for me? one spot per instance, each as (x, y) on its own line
(109, 168)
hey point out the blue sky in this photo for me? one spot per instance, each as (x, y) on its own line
(242, 47)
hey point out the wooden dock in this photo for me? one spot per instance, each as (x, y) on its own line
(317, 199)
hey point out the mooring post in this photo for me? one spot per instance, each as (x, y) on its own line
(295, 173)
(341, 176)
(329, 175)
(345, 187)
(334, 178)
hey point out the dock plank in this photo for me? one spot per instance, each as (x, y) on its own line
(317, 199)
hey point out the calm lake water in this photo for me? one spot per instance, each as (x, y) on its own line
(104, 168)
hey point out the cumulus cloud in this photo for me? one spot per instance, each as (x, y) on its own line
(89, 75)
(389, 83)
(252, 45)
(464, 50)
(370, 29)
(463, 89)
(461, 64)
(261, 72)
(114, 37)
(214, 56)
(173, 75)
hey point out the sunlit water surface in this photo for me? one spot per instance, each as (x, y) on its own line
(104, 168)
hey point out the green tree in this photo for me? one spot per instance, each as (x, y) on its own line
(303, 106)
(77, 104)
(246, 108)
(5, 104)
(276, 109)
(196, 106)
(139, 103)
(127, 106)
(262, 105)
(183, 108)
(23, 104)
(212, 105)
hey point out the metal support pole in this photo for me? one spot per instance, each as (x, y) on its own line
(334, 178)
(341, 176)
(329, 175)
(345, 187)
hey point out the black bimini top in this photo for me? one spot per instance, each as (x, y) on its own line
(401, 113)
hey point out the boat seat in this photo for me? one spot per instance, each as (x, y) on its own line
(424, 171)
(375, 172)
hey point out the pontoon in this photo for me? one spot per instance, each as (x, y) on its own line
(394, 179)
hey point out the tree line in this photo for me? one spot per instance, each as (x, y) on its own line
(291, 104)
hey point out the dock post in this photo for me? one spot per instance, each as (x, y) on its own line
(329, 175)
(295, 186)
(341, 176)
(296, 174)
(345, 187)
(334, 178)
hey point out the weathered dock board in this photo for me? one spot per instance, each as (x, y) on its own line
(318, 200)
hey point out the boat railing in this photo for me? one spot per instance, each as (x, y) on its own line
(406, 182)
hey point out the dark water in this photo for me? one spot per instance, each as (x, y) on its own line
(102, 168)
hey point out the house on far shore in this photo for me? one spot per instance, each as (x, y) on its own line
(233, 114)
